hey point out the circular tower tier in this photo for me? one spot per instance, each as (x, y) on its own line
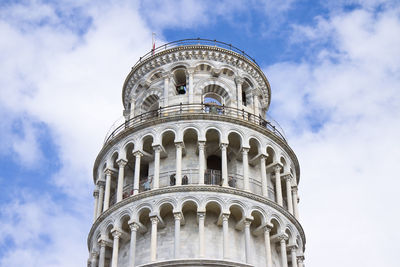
(197, 174)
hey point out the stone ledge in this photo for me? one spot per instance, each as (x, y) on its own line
(197, 263)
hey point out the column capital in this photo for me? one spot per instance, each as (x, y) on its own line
(263, 156)
(288, 177)
(94, 254)
(239, 80)
(223, 145)
(178, 216)
(293, 247)
(268, 227)
(101, 183)
(295, 189)
(96, 193)
(225, 216)
(157, 148)
(154, 220)
(108, 171)
(300, 258)
(248, 221)
(202, 144)
(116, 233)
(134, 226)
(104, 242)
(282, 237)
(190, 70)
(122, 162)
(245, 150)
(277, 168)
(201, 214)
(138, 153)
(179, 145)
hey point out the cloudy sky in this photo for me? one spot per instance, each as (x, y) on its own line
(335, 76)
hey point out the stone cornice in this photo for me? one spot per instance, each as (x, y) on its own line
(196, 52)
(197, 188)
(202, 116)
(196, 262)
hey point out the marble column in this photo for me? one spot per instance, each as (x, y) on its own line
(114, 260)
(295, 204)
(191, 93)
(288, 179)
(166, 89)
(120, 186)
(108, 173)
(202, 145)
(293, 255)
(267, 240)
(225, 218)
(178, 176)
(278, 187)
(264, 183)
(224, 163)
(201, 216)
(138, 155)
(153, 242)
(239, 82)
(300, 260)
(102, 256)
(177, 242)
(246, 183)
(282, 242)
(101, 198)
(93, 258)
(156, 181)
(247, 239)
(132, 249)
(96, 202)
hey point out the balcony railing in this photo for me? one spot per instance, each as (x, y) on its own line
(204, 109)
(194, 41)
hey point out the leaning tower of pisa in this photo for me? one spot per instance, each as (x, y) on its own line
(196, 173)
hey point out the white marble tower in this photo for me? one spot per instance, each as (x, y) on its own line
(196, 174)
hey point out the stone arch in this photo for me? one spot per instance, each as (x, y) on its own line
(236, 208)
(200, 85)
(274, 219)
(272, 155)
(259, 210)
(122, 217)
(189, 200)
(258, 217)
(155, 75)
(166, 201)
(202, 66)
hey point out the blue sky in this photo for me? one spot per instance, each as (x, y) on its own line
(334, 69)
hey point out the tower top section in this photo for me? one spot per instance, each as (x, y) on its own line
(190, 53)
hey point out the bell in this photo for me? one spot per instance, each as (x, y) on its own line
(181, 90)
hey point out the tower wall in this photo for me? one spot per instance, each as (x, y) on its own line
(197, 175)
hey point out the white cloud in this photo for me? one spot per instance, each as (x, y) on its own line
(348, 188)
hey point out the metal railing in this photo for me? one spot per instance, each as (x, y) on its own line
(194, 41)
(204, 109)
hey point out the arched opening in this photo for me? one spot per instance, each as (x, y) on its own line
(180, 81)
(213, 169)
(168, 170)
(190, 164)
(246, 89)
(234, 156)
(151, 104)
(129, 171)
(217, 93)
(146, 173)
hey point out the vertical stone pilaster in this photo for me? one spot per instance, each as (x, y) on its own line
(138, 155)
(267, 240)
(108, 173)
(156, 181)
(114, 260)
(288, 179)
(120, 186)
(264, 183)
(177, 241)
(178, 176)
(247, 223)
(278, 186)
(246, 182)
(96, 202)
(102, 255)
(201, 216)
(101, 198)
(224, 161)
(132, 249)
(295, 204)
(153, 241)
(225, 218)
(202, 145)
(282, 241)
